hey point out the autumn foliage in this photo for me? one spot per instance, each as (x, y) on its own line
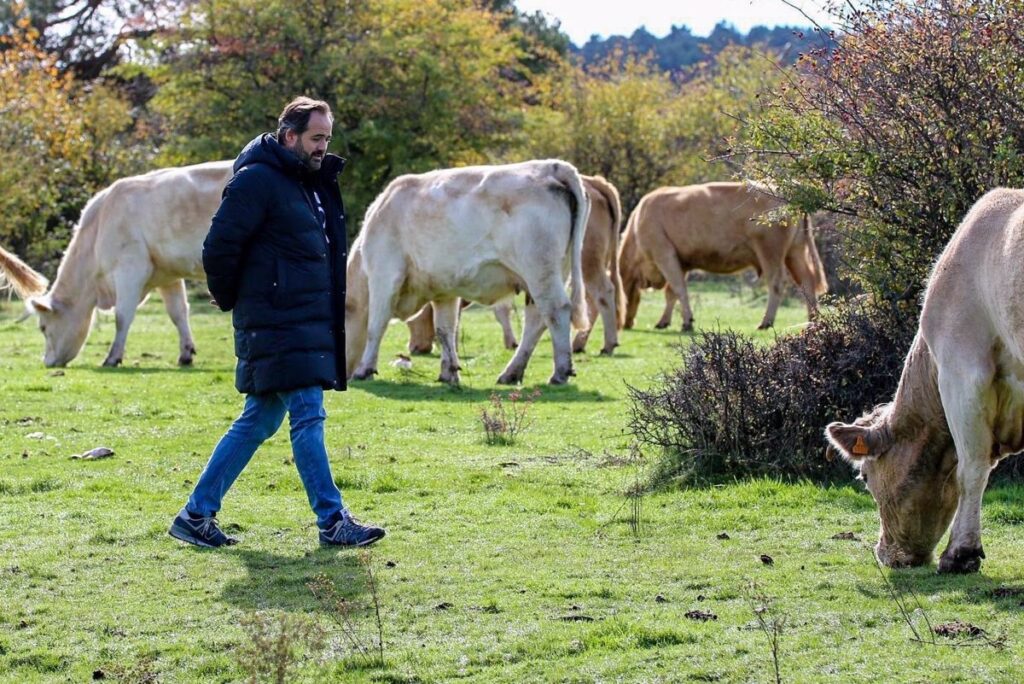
(59, 143)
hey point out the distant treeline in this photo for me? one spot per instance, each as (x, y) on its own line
(681, 49)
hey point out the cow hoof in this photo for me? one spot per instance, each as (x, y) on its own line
(453, 381)
(514, 345)
(111, 363)
(510, 379)
(608, 351)
(961, 561)
(765, 326)
(184, 360)
(687, 327)
(579, 350)
(660, 325)
(420, 351)
(364, 375)
(556, 380)
(628, 325)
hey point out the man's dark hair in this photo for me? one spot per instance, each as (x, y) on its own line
(295, 116)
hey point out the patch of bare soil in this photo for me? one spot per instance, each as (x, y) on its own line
(701, 615)
(957, 629)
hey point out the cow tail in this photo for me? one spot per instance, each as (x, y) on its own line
(818, 269)
(612, 195)
(580, 209)
(25, 281)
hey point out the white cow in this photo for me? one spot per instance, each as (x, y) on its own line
(141, 233)
(959, 407)
(480, 233)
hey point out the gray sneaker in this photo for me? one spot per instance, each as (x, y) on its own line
(347, 531)
(199, 530)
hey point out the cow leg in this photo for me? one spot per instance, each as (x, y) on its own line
(556, 313)
(579, 343)
(421, 331)
(666, 315)
(446, 322)
(796, 264)
(381, 298)
(176, 303)
(503, 313)
(632, 305)
(668, 263)
(771, 275)
(775, 283)
(128, 295)
(962, 401)
(601, 298)
(608, 306)
(533, 328)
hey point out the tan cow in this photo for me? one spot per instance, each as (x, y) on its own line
(480, 233)
(141, 233)
(718, 228)
(959, 408)
(600, 277)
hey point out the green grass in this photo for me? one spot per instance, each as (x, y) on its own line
(530, 544)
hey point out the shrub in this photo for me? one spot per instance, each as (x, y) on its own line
(60, 141)
(507, 418)
(901, 129)
(737, 409)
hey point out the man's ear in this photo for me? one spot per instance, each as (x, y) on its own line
(857, 442)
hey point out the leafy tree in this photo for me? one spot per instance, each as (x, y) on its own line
(621, 119)
(415, 84)
(632, 123)
(903, 126)
(680, 49)
(59, 143)
(86, 36)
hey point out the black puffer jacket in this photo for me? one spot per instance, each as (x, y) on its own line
(268, 260)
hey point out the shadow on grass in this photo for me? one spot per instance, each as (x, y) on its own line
(281, 582)
(421, 389)
(925, 583)
(146, 370)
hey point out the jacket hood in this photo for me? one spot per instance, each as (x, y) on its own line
(264, 149)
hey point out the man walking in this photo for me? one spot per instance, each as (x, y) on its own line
(275, 258)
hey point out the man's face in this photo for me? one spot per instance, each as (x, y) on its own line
(311, 146)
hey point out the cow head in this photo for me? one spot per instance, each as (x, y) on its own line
(911, 473)
(64, 328)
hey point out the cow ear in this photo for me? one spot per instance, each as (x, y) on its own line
(43, 303)
(856, 442)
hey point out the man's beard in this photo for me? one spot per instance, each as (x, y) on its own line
(311, 162)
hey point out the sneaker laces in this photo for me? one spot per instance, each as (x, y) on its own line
(207, 524)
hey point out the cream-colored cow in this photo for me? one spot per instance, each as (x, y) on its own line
(480, 233)
(141, 233)
(718, 228)
(959, 408)
(600, 277)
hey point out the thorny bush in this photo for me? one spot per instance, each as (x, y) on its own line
(738, 409)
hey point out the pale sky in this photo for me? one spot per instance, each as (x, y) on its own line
(581, 18)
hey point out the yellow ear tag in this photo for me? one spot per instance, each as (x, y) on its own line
(860, 448)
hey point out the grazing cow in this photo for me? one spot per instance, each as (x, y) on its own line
(480, 233)
(959, 408)
(600, 278)
(141, 233)
(718, 228)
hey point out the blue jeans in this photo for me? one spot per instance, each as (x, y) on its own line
(260, 419)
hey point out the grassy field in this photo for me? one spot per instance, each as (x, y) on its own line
(516, 563)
